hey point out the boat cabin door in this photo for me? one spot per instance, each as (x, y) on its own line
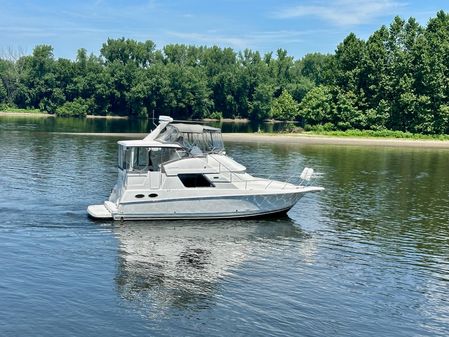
(154, 168)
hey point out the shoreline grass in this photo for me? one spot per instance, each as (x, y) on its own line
(37, 113)
(386, 134)
(19, 110)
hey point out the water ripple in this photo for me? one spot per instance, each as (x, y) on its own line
(369, 256)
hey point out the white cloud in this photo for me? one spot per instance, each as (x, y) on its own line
(237, 42)
(248, 40)
(343, 12)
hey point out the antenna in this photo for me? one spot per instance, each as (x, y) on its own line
(153, 119)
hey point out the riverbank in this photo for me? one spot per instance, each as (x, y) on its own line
(333, 140)
(25, 114)
(106, 117)
(226, 120)
(305, 139)
(33, 113)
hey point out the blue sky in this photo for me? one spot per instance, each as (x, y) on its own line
(299, 26)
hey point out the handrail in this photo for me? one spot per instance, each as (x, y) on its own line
(303, 180)
(231, 173)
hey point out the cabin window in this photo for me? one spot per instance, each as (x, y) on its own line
(121, 159)
(134, 159)
(214, 141)
(194, 180)
(140, 159)
(161, 155)
(196, 139)
(143, 159)
(125, 157)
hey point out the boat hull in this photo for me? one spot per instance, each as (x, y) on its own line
(204, 207)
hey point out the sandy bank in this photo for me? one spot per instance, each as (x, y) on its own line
(329, 140)
(43, 114)
(25, 114)
(226, 120)
(106, 117)
(300, 139)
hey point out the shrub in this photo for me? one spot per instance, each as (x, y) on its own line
(215, 115)
(326, 127)
(291, 127)
(78, 108)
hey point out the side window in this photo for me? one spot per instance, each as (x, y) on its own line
(169, 154)
(121, 157)
(154, 159)
(141, 159)
(133, 159)
(128, 158)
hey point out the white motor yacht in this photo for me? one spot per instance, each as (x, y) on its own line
(181, 171)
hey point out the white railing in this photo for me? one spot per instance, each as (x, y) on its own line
(306, 177)
(260, 181)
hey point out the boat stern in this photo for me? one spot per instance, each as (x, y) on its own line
(104, 211)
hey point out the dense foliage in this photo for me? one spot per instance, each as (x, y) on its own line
(397, 79)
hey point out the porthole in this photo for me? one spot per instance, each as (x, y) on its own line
(139, 196)
(152, 195)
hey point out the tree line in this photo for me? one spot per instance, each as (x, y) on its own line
(397, 79)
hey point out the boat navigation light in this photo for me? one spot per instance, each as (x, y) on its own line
(165, 119)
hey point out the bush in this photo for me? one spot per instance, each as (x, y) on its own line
(51, 103)
(215, 115)
(375, 133)
(284, 107)
(78, 108)
(291, 127)
(326, 127)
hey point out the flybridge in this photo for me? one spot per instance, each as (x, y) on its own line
(196, 139)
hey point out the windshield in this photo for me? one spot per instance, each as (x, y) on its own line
(196, 139)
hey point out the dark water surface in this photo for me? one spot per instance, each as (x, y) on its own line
(367, 257)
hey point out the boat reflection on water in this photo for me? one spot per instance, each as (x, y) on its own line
(180, 265)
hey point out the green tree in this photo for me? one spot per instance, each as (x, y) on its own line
(9, 80)
(261, 103)
(285, 107)
(78, 108)
(125, 51)
(187, 95)
(346, 114)
(397, 79)
(348, 66)
(317, 67)
(317, 106)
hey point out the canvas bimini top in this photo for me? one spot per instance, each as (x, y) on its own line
(145, 143)
(194, 128)
(195, 138)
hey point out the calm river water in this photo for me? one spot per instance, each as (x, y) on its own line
(367, 257)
